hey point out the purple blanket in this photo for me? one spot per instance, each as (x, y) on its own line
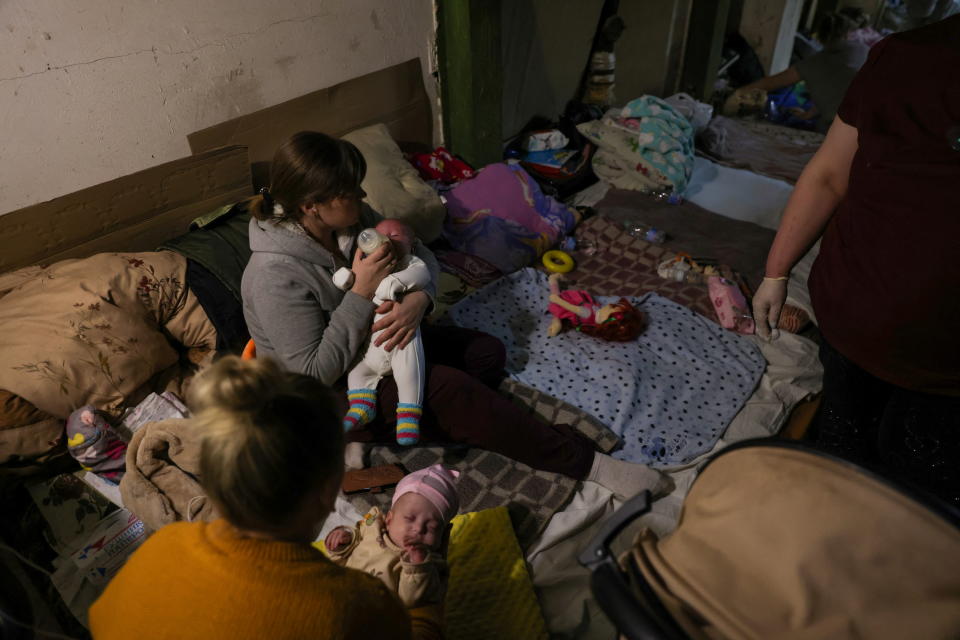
(502, 217)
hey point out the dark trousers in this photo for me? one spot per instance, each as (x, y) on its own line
(909, 436)
(461, 404)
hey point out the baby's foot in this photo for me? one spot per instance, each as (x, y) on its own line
(353, 456)
(363, 408)
(408, 423)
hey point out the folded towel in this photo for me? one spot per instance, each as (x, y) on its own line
(160, 485)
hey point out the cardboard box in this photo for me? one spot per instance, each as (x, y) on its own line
(133, 213)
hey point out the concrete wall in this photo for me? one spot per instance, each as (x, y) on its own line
(94, 89)
(545, 46)
(650, 51)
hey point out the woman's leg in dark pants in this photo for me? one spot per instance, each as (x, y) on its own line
(476, 353)
(848, 420)
(459, 407)
(919, 442)
(902, 434)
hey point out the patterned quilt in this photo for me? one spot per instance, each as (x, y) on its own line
(622, 265)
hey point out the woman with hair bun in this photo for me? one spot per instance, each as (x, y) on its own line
(271, 460)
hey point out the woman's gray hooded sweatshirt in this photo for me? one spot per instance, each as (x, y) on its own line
(295, 313)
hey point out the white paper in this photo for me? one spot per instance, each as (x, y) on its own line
(108, 546)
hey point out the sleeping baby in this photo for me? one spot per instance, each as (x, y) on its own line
(406, 547)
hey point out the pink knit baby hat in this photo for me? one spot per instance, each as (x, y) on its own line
(436, 484)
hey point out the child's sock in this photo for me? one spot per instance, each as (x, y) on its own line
(363, 407)
(408, 423)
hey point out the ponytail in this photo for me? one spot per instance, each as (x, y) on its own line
(309, 168)
(263, 206)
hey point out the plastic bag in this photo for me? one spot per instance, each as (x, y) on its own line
(544, 140)
(698, 113)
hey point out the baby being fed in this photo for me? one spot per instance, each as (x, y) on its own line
(407, 364)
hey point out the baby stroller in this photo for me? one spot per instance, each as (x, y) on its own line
(777, 540)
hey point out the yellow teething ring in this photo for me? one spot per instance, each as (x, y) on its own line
(558, 261)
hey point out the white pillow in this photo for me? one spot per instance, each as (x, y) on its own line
(394, 188)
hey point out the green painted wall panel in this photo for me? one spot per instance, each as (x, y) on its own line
(471, 78)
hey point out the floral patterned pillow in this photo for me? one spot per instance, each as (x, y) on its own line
(95, 330)
(647, 143)
(28, 437)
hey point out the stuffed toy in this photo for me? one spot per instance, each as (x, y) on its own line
(92, 442)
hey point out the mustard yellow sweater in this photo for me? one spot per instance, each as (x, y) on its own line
(200, 580)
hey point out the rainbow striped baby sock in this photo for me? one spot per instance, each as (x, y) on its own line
(363, 407)
(408, 423)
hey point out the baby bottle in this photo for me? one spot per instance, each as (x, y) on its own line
(369, 240)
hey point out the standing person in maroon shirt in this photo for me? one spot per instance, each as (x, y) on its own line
(884, 191)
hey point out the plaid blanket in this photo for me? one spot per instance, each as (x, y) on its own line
(626, 266)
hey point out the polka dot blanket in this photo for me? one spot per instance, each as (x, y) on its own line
(669, 395)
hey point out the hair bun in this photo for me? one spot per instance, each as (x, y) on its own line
(242, 385)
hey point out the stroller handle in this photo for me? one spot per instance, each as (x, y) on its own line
(597, 551)
(606, 581)
(611, 589)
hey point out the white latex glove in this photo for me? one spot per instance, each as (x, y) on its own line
(767, 304)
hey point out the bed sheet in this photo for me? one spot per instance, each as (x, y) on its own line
(721, 189)
(691, 228)
(766, 148)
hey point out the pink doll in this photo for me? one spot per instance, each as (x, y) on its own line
(619, 322)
